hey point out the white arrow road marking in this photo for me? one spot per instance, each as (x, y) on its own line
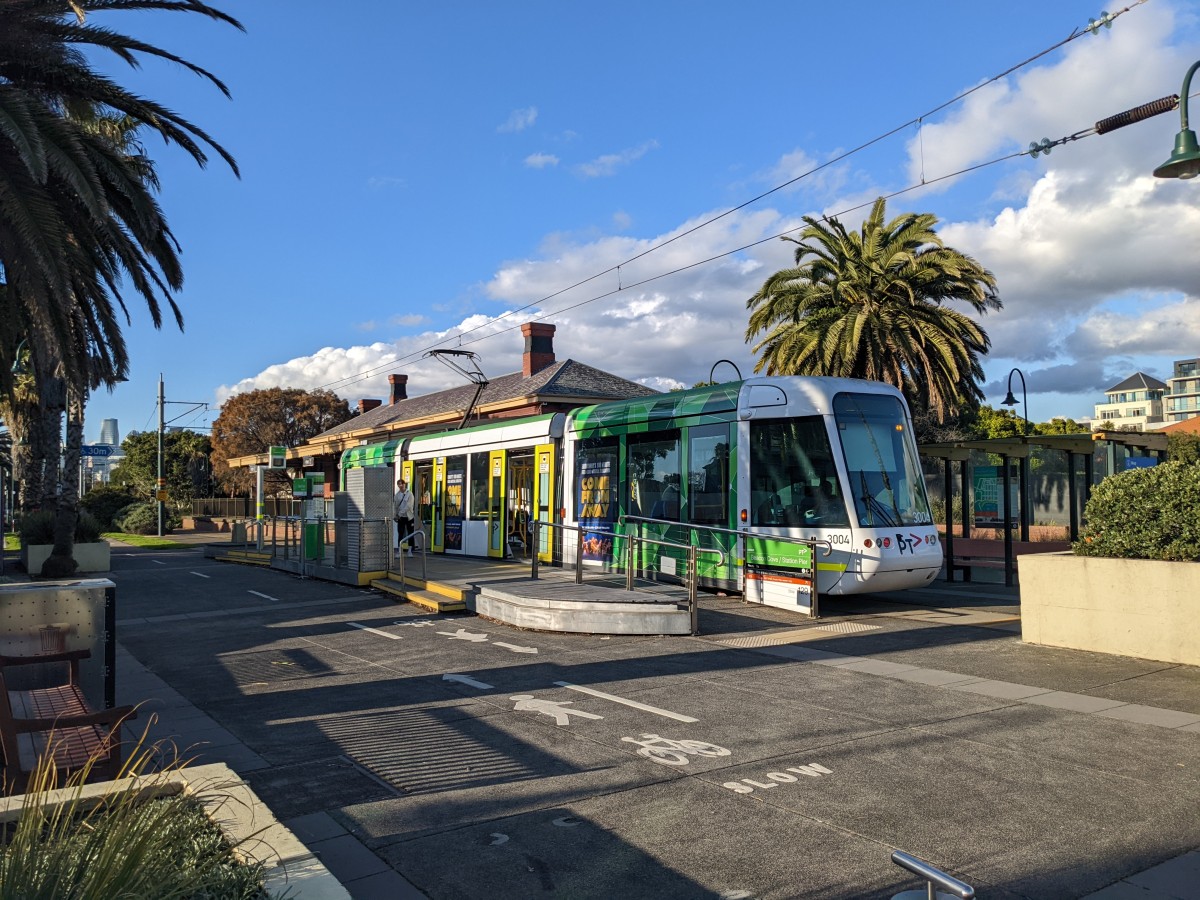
(466, 679)
(463, 635)
(498, 838)
(566, 822)
(201, 575)
(514, 648)
(391, 637)
(265, 596)
(665, 713)
(556, 709)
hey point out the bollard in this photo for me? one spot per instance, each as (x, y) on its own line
(535, 538)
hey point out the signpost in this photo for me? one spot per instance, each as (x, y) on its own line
(100, 450)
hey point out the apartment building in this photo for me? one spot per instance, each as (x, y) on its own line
(1137, 403)
(1183, 391)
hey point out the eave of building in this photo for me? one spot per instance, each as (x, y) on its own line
(342, 441)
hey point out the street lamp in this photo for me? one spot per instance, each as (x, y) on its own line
(1010, 400)
(1185, 158)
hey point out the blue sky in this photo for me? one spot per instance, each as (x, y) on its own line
(412, 172)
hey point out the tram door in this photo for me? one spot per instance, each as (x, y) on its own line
(496, 505)
(543, 499)
(437, 540)
(421, 485)
(520, 501)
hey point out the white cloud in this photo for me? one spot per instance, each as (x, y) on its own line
(519, 120)
(541, 160)
(603, 166)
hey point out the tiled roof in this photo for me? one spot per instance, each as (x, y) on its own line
(1139, 381)
(567, 378)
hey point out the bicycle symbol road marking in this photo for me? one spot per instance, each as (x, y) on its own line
(669, 752)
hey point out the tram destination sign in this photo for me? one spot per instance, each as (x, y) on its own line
(101, 450)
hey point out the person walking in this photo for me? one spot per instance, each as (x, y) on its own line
(403, 506)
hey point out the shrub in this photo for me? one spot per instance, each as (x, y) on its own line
(142, 518)
(105, 503)
(1149, 513)
(38, 528)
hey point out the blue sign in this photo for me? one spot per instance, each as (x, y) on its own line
(1140, 462)
(97, 450)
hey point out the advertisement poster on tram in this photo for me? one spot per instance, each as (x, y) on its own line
(597, 508)
(454, 510)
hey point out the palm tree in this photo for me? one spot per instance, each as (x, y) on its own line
(78, 216)
(872, 304)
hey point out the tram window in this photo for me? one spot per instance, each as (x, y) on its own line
(793, 478)
(708, 475)
(653, 470)
(479, 485)
(881, 460)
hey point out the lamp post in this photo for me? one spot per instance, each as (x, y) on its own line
(1184, 161)
(1010, 400)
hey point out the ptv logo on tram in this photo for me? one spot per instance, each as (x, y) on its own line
(906, 543)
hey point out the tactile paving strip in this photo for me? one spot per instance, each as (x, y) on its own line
(812, 633)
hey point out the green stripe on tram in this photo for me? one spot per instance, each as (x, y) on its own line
(679, 404)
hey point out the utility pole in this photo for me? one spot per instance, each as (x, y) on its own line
(162, 482)
(162, 424)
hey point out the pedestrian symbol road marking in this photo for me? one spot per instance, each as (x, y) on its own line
(514, 648)
(463, 635)
(392, 637)
(555, 709)
(666, 713)
(466, 679)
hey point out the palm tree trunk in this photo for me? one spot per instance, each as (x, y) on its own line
(66, 512)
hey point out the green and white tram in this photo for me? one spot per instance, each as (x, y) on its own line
(818, 458)
(824, 459)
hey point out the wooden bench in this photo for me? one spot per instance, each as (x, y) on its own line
(57, 720)
(970, 553)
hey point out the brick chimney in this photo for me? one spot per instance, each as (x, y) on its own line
(366, 405)
(539, 347)
(399, 385)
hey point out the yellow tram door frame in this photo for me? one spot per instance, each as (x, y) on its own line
(438, 501)
(543, 499)
(497, 501)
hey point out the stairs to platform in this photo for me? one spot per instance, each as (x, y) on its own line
(431, 595)
(246, 557)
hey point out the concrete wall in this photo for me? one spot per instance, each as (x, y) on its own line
(1131, 607)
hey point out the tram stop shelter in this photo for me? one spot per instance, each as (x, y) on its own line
(1005, 482)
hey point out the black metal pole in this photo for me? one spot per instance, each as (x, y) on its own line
(1006, 485)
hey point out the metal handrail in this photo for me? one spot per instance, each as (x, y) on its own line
(934, 878)
(693, 578)
(742, 534)
(424, 548)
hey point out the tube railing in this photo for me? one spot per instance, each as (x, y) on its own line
(743, 533)
(935, 879)
(693, 578)
(393, 556)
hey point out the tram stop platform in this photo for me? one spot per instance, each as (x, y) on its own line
(505, 591)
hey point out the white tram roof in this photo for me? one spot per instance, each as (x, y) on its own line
(493, 436)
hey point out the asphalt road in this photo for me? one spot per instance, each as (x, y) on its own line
(772, 756)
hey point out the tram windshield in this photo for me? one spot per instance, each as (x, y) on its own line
(881, 461)
(793, 478)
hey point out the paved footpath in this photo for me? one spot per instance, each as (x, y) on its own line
(771, 757)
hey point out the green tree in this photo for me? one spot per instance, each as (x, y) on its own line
(1183, 447)
(185, 467)
(256, 420)
(873, 304)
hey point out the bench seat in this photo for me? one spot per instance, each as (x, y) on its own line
(56, 720)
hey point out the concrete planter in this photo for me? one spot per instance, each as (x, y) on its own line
(94, 557)
(1132, 607)
(291, 869)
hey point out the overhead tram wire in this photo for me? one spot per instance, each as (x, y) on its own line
(1093, 27)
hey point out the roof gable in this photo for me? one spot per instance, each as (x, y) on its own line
(1139, 381)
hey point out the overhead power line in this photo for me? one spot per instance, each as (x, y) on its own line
(1120, 120)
